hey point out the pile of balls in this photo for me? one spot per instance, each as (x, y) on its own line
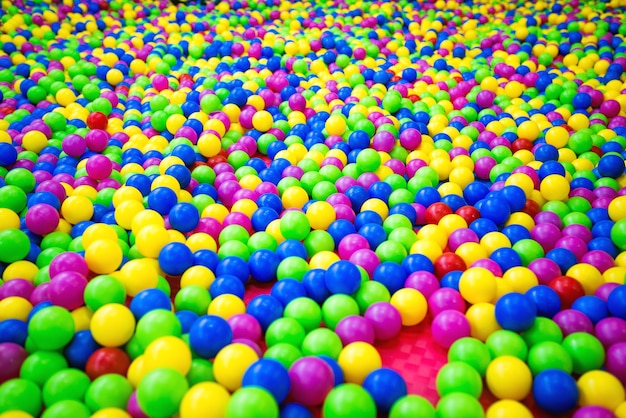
(222, 208)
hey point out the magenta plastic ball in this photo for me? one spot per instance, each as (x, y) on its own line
(97, 140)
(490, 265)
(611, 331)
(16, 287)
(42, 219)
(571, 321)
(546, 234)
(461, 236)
(355, 328)
(599, 259)
(66, 289)
(605, 290)
(573, 243)
(68, 261)
(99, 167)
(449, 326)
(410, 139)
(424, 281)
(311, 379)
(385, 319)
(351, 243)
(365, 258)
(133, 408)
(577, 230)
(245, 326)
(11, 358)
(545, 269)
(383, 141)
(616, 361)
(345, 212)
(40, 294)
(592, 411)
(74, 145)
(446, 299)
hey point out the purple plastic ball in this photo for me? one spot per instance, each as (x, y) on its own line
(355, 328)
(449, 326)
(571, 321)
(445, 299)
(311, 380)
(385, 319)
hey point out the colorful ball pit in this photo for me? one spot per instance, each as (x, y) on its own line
(344, 208)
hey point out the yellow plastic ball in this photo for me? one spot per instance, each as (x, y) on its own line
(103, 256)
(482, 320)
(82, 318)
(197, 276)
(620, 411)
(201, 241)
(294, 197)
(520, 278)
(76, 209)
(427, 248)
(262, 121)
(144, 218)
(112, 325)
(336, 125)
(554, 187)
(151, 239)
(139, 274)
(20, 270)
(507, 408)
(411, 304)
(509, 378)
(169, 352)
(587, 275)
(111, 413)
(323, 260)
(9, 219)
(557, 136)
(15, 307)
(471, 252)
(321, 215)
(216, 211)
(357, 360)
(34, 141)
(617, 208)
(376, 205)
(209, 145)
(477, 284)
(205, 400)
(231, 363)
(126, 212)
(96, 232)
(226, 306)
(601, 388)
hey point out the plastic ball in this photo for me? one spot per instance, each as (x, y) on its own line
(600, 388)
(14, 245)
(459, 377)
(506, 408)
(322, 342)
(270, 375)
(161, 392)
(349, 401)
(108, 391)
(585, 350)
(386, 320)
(616, 361)
(357, 360)
(515, 312)
(311, 380)
(459, 404)
(207, 399)
(386, 386)
(507, 343)
(509, 378)
(231, 363)
(51, 328)
(209, 334)
(449, 326)
(412, 405)
(249, 402)
(477, 285)
(411, 304)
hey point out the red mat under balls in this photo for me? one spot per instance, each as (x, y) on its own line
(417, 357)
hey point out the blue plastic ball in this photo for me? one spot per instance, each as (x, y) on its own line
(314, 282)
(295, 410)
(391, 275)
(184, 217)
(148, 300)
(515, 312)
(209, 334)
(555, 391)
(546, 300)
(263, 265)
(288, 289)
(343, 277)
(227, 284)
(175, 258)
(235, 266)
(592, 306)
(386, 386)
(617, 302)
(266, 309)
(271, 375)
(13, 331)
(78, 351)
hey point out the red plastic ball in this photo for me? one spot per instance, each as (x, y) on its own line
(469, 213)
(448, 262)
(97, 120)
(436, 211)
(531, 207)
(520, 144)
(107, 360)
(568, 289)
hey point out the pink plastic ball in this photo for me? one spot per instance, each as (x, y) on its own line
(449, 326)
(385, 319)
(445, 299)
(365, 258)
(66, 289)
(423, 281)
(355, 328)
(42, 219)
(16, 287)
(311, 380)
(351, 243)
(571, 321)
(68, 261)
(611, 331)
(245, 326)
